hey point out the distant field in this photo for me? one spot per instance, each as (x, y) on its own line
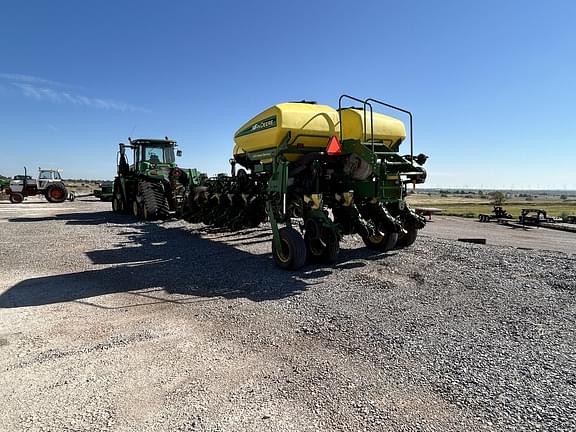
(472, 207)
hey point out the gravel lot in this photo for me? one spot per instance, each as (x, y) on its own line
(110, 324)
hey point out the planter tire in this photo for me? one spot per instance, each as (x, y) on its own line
(381, 242)
(292, 254)
(407, 239)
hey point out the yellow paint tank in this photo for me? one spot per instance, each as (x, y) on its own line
(387, 130)
(267, 130)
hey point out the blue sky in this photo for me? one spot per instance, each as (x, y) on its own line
(492, 84)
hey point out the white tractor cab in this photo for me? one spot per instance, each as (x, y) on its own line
(49, 183)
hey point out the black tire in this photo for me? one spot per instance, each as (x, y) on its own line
(381, 242)
(136, 210)
(56, 193)
(407, 239)
(154, 202)
(16, 198)
(115, 201)
(321, 252)
(117, 205)
(71, 196)
(293, 253)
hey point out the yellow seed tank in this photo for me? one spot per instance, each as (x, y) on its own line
(311, 126)
(387, 130)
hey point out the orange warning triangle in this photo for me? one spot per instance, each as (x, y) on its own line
(334, 147)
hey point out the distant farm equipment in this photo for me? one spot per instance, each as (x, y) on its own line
(4, 183)
(49, 183)
(105, 191)
(529, 217)
(427, 211)
(497, 213)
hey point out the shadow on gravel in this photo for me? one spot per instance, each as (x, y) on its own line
(347, 255)
(89, 218)
(152, 257)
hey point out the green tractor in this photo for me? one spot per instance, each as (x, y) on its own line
(152, 186)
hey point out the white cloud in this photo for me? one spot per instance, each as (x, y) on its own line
(31, 79)
(59, 96)
(41, 89)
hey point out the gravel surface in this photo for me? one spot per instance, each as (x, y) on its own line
(114, 325)
(449, 227)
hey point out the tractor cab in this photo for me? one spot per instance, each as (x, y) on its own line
(47, 176)
(149, 156)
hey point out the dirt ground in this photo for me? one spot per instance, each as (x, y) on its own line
(111, 324)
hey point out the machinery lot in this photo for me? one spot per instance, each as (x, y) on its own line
(111, 324)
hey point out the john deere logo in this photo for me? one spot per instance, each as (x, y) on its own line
(267, 123)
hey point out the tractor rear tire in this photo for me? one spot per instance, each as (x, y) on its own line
(16, 198)
(292, 254)
(381, 242)
(56, 193)
(154, 202)
(407, 239)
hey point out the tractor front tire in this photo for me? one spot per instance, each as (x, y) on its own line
(292, 254)
(381, 242)
(56, 193)
(16, 198)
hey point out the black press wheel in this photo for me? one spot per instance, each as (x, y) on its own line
(292, 254)
(381, 241)
(321, 250)
(16, 198)
(407, 239)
